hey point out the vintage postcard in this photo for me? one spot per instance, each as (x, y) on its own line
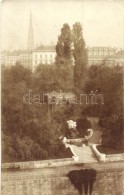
(62, 97)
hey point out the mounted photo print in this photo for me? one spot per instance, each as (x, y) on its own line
(62, 65)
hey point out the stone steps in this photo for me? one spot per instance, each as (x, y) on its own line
(85, 154)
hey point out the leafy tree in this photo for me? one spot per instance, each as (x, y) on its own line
(110, 82)
(113, 132)
(82, 125)
(25, 127)
(54, 78)
(64, 78)
(63, 47)
(80, 57)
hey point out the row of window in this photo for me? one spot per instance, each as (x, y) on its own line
(36, 62)
(46, 55)
(10, 58)
(25, 60)
(101, 53)
(25, 57)
(9, 61)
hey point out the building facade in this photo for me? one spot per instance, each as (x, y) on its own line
(97, 55)
(26, 59)
(9, 60)
(43, 56)
(47, 55)
(116, 60)
(23, 57)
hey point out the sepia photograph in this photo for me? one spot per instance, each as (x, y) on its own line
(62, 97)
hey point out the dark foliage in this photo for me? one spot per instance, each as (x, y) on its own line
(109, 82)
(63, 47)
(80, 57)
(113, 132)
(30, 131)
(83, 180)
(80, 131)
(82, 125)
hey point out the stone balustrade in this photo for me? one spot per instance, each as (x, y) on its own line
(115, 157)
(54, 180)
(107, 158)
(38, 164)
(100, 156)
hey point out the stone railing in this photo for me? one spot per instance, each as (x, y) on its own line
(100, 156)
(78, 140)
(107, 158)
(37, 164)
(115, 157)
(61, 162)
(73, 140)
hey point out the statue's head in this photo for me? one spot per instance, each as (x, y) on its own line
(71, 124)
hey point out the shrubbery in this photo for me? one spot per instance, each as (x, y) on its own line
(29, 131)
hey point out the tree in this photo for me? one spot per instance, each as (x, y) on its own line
(80, 56)
(63, 47)
(82, 125)
(110, 82)
(113, 135)
(27, 134)
(54, 77)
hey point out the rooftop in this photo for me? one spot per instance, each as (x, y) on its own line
(45, 48)
(102, 48)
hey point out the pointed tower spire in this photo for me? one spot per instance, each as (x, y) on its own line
(30, 24)
(30, 45)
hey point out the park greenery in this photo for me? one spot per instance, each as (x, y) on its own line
(71, 50)
(32, 131)
(83, 180)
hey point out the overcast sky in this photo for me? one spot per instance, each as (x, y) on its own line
(102, 21)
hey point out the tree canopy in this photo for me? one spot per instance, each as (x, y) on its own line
(80, 57)
(63, 47)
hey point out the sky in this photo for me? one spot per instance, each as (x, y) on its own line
(102, 21)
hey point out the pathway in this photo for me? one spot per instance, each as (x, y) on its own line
(97, 130)
(85, 153)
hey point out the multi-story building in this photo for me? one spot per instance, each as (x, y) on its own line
(23, 57)
(44, 55)
(9, 60)
(116, 60)
(29, 59)
(96, 55)
(26, 59)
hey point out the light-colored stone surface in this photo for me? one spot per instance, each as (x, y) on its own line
(97, 131)
(53, 181)
(84, 153)
(38, 164)
(100, 156)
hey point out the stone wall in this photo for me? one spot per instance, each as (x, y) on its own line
(37, 164)
(53, 180)
(115, 157)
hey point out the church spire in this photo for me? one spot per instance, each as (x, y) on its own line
(30, 45)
